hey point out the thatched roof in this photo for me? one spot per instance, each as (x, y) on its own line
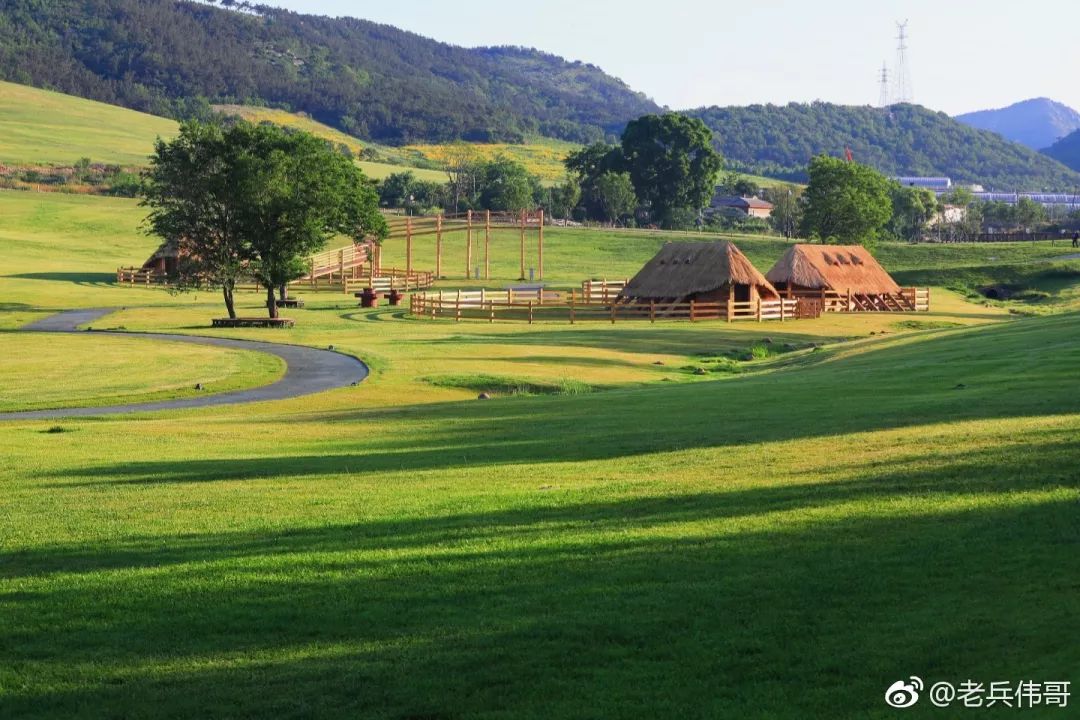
(836, 267)
(170, 249)
(682, 269)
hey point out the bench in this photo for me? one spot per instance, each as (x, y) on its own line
(253, 322)
(289, 303)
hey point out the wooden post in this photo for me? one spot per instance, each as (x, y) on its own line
(408, 246)
(540, 249)
(759, 308)
(457, 308)
(692, 317)
(487, 244)
(652, 311)
(468, 245)
(438, 246)
(522, 221)
(848, 308)
(530, 312)
(730, 303)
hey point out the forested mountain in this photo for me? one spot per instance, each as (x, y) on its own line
(901, 140)
(173, 57)
(1066, 150)
(1037, 123)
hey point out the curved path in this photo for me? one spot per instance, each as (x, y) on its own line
(307, 370)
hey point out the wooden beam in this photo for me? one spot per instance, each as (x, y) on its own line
(438, 246)
(540, 249)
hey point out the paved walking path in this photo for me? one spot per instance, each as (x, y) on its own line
(308, 370)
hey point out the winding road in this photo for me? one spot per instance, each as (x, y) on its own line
(308, 370)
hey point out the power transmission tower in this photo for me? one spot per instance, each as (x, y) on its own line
(883, 96)
(903, 76)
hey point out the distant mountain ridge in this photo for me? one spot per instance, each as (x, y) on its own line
(1037, 123)
(170, 57)
(779, 140)
(1066, 150)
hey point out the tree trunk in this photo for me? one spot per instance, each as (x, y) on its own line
(271, 302)
(230, 305)
(283, 292)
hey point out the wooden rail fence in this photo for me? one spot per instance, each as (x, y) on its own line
(531, 305)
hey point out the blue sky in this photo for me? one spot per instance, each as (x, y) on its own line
(685, 53)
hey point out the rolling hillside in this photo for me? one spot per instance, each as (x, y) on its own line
(373, 81)
(39, 127)
(903, 140)
(1037, 123)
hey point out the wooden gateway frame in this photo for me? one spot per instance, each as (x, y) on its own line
(471, 224)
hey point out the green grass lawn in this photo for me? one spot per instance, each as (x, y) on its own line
(48, 371)
(621, 539)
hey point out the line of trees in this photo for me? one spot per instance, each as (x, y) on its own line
(253, 201)
(664, 172)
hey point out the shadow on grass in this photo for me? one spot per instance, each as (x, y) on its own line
(78, 278)
(784, 601)
(945, 376)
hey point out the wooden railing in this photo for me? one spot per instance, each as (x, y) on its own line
(910, 299)
(389, 279)
(139, 276)
(531, 305)
(602, 291)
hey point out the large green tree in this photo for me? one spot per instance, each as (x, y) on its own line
(615, 193)
(256, 201)
(505, 186)
(192, 192)
(913, 209)
(845, 202)
(298, 192)
(672, 164)
(787, 211)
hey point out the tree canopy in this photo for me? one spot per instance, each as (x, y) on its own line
(254, 200)
(846, 202)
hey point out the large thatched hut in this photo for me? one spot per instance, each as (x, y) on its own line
(699, 271)
(846, 277)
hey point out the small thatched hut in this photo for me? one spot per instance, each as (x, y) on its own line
(165, 258)
(700, 271)
(849, 272)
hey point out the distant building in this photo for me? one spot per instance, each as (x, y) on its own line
(937, 184)
(749, 206)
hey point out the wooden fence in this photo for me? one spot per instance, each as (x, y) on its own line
(910, 299)
(139, 276)
(531, 305)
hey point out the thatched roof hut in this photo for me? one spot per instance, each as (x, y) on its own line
(164, 260)
(684, 271)
(841, 268)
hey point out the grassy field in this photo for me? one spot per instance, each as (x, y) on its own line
(44, 128)
(882, 496)
(44, 371)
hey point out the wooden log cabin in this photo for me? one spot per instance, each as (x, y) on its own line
(843, 278)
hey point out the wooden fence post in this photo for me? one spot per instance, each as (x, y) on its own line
(457, 308)
(521, 221)
(652, 311)
(692, 318)
(530, 312)
(487, 244)
(759, 308)
(468, 244)
(540, 249)
(438, 246)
